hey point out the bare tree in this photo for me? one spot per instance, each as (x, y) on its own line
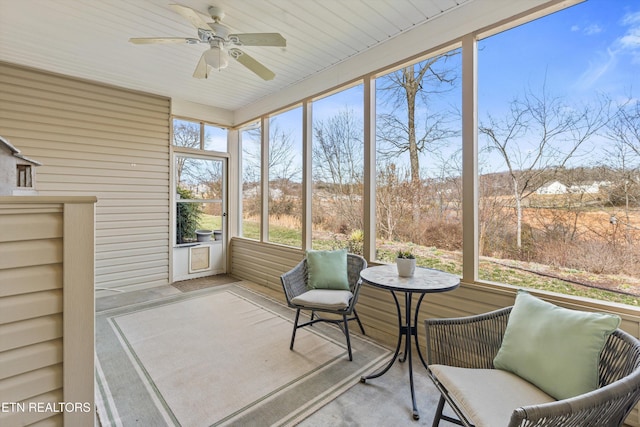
(410, 122)
(409, 89)
(393, 189)
(281, 162)
(251, 168)
(338, 165)
(285, 174)
(625, 126)
(491, 214)
(338, 149)
(539, 133)
(185, 134)
(445, 189)
(251, 154)
(623, 159)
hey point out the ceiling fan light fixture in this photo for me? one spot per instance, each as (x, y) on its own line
(216, 58)
(222, 44)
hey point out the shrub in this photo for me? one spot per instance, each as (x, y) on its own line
(187, 217)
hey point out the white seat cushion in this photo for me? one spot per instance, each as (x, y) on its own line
(488, 396)
(327, 299)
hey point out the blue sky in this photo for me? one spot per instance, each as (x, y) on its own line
(588, 49)
(593, 46)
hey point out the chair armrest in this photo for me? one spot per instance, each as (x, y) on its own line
(606, 406)
(355, 264)
(294, 281)
(466, 342)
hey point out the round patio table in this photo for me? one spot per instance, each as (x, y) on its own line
(424, 281)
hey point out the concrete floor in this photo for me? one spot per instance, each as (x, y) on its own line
(383, 401)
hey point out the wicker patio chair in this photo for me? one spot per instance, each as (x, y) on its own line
(473, 342)
(337, 302)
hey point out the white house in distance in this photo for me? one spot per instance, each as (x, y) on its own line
(556, 187)
(17, 172)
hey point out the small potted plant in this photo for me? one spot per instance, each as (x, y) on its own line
(406, 263)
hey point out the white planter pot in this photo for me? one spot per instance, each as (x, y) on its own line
(406, 267)
(204, 235)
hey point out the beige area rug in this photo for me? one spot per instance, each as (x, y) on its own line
(219, 356)
(204, 282)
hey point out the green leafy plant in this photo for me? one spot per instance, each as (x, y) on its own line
(187, 217)
(405, 254)
(355, 242)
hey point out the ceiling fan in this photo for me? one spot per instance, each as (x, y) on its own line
(222, 44)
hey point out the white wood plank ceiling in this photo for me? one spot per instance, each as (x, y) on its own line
(89, 39)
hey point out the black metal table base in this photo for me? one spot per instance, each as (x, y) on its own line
(406, 330)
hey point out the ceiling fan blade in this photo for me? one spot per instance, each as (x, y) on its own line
(202, 69)
(197, 19)
(260, 39)
(252, 64)
(163, 40)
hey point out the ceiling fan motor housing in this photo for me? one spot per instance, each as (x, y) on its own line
(216, 13)
(219, 30)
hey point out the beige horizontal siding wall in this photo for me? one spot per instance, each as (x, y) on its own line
(263, 263)
(46, 308)
(103, 141)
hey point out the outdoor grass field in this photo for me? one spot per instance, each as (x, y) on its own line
(515, 273)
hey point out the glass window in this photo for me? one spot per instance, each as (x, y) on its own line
(199, 136)
(338, 170)
(559, 153)
(215, 138)
(186, 134)
(199, 197)
(418, 155)
(250, 138)
(285, 178)
(24, 176)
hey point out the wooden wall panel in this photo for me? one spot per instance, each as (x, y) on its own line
(103, 141)
(46, 307)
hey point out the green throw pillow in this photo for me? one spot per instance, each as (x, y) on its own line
(554, 348)
(327, 270)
